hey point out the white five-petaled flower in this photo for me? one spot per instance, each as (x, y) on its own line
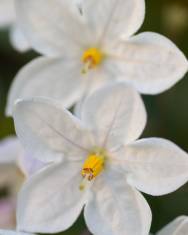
(179, 226)
(8, 19)
(86, 48)
(97, 164)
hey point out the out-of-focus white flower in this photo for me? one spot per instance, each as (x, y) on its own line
(11, 179)
(177, 227)
(85, 51)
(13, 170)
(7, 212)
(97, 164)
(8, 19)
(12, 153)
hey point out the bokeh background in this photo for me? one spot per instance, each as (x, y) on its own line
(167, 113)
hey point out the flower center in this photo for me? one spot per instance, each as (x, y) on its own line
(91, 58)
(92, 167)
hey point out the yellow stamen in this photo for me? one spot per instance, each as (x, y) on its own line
(91, 58)
(93, 166)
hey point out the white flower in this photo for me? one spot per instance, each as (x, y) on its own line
(8, 19)
(84, 51)
(179, 226)
(13, 170)
(97, 162)
(7, 211)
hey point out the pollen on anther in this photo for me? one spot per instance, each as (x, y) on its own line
(91, 58)
(93, 166)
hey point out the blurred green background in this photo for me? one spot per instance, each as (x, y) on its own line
(167, 113)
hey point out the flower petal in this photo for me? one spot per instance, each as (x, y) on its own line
(54, 78)
(179, 226)
(18, 39)
(55, 200)
(109, 19)
(157, 166)
(7, 13)
(116, 113)
(11, 232)
(10, 150)
(48, 131)
(54, 32)
(150, 62)
(30, 165)
(115, 208)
